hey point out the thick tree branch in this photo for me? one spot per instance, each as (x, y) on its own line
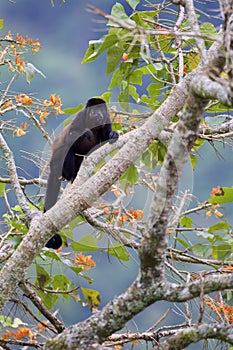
(194, 334)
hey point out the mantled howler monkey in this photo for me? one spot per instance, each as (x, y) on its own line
(88, 130)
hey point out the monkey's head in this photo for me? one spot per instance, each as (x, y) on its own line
(96, 112)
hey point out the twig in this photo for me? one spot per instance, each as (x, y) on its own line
(30, 294)
(24, 182)
(11, 168)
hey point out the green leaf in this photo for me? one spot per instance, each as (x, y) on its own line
(202, 250)
(225, 198)
(49, 299)
(185, 221)
(118, 11)
(115, 81)
(51, 254)
(136, 76)
(1, 23)
(119, 251)
(17, 208)
(42, 276)
(73, 110)
(68, 230)
(162, 150)
(124, 98)
(129, 177)
(92, 297)
(219, 226)
(17, 322)
(61, 282)
(133, 93)
(140, 16)
(106, 96)
(148, 160)
(208, 29)
(193, 160)
(85, 244)
(198, 143)
(19, 226)
(221, 251)
(5, 321)
(133, 3)
(114, 55)
(154, 90)
(77, 270)
(182, 241)
(2, 188)
(93, 51)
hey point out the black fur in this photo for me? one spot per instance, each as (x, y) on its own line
(88, 130)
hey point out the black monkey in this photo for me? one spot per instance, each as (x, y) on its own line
(88, 130)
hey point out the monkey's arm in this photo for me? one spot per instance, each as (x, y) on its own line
(107, 134)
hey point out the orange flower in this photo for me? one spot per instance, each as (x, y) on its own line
(122, 219)
(36, 46)
(43, 115)
(21, 333)
(19, 132)
(24, 99)
(221, 309)
(125, 56)
(6, 104)
(6, 335)
(55, 103)
(138, 214)
(217, 191)
(218, 213)
(228, 268)
(84, 262)
(53, 99)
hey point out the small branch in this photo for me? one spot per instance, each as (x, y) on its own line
(110, 230)
(179, 43)
(195, 28)
(5, 342)
(29, 114)
(24, 182)
(11, 168)
(175, 254)
(30, 294)
(129, 25)
(29, 311)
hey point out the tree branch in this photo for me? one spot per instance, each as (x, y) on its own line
(194, 334)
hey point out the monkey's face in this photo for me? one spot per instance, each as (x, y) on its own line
(97, 115)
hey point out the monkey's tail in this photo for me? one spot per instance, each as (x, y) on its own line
(52, 191)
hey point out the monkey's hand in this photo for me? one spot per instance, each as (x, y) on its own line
(113, 136)
(88, 134)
